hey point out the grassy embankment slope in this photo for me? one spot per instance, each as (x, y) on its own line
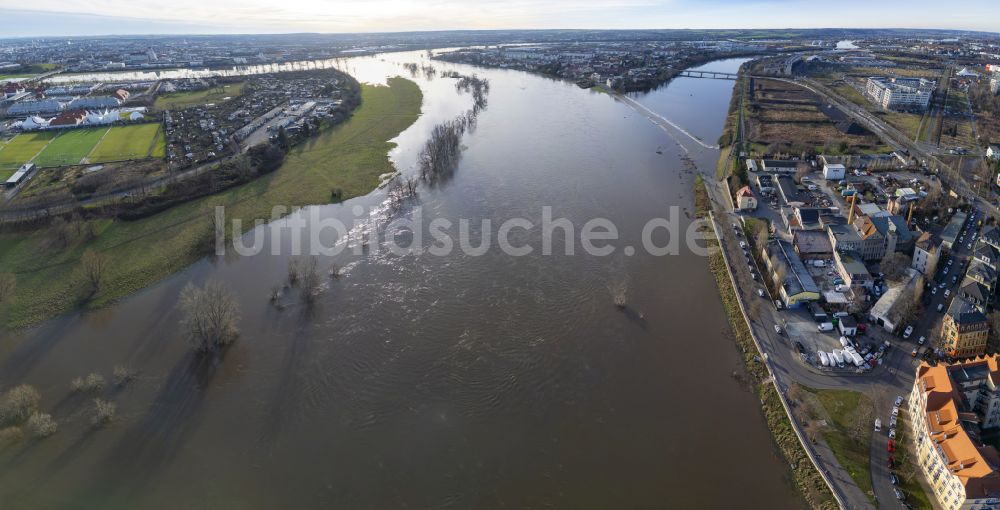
(350, 157)
(807, 480)
(181, 100)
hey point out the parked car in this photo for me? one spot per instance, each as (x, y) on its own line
(878, 425)
(895, 411)
(892, 434)
(947, 292)
(891, 462)
(940, 308)
(777, 329)
(801, 348)
(899, 400)
(900, 495)
(891, 447)
(893, 479)
(908, 331)
(922, 340)
(914, 353)
(760, 292)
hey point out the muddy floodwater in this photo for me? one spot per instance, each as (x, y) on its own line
(425, 381)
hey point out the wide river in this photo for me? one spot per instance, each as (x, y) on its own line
(428, 381)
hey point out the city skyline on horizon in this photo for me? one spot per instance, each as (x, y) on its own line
(116, 17)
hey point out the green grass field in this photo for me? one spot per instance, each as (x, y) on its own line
(23, 148)
(350, 156)
(127, 142)
(841, 409)
(70, 147)
(182, 100)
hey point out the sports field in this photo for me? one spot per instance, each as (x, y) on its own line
(23, 148)
(83, 146)
(70, 147)
(128, 142)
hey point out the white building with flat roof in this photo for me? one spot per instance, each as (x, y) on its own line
(900, 93)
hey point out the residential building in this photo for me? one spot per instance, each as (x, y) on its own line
(964, 330)
(745, 199)
(900, 93)
(926, 253)
(789, 274)
(987, 254)
(866, 241)
(983, 273)
(991, 236)
(852, 270)
(950, 406)
(975, 293)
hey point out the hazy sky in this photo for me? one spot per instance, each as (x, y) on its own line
(99, 17)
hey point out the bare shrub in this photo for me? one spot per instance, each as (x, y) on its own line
(92, 383)
(10, 435)
(95, 265)
(211, 315)
(8, 282)
(104, 412)
(310, 279)
(18, 404)
(123, 374)
(293, 270)
(41, 425)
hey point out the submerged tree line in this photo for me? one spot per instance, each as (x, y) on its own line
(439, 157)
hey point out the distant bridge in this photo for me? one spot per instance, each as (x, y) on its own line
(709, 74)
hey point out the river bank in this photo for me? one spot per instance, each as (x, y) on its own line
(349, 157)
(807, 480)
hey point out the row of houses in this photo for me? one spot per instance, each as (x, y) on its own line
(952, 406)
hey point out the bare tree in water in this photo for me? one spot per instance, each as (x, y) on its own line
(210, 316)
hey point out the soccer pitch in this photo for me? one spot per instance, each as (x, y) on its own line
(129, 142)
(70, 147)
(23, 148)
(83, 146)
